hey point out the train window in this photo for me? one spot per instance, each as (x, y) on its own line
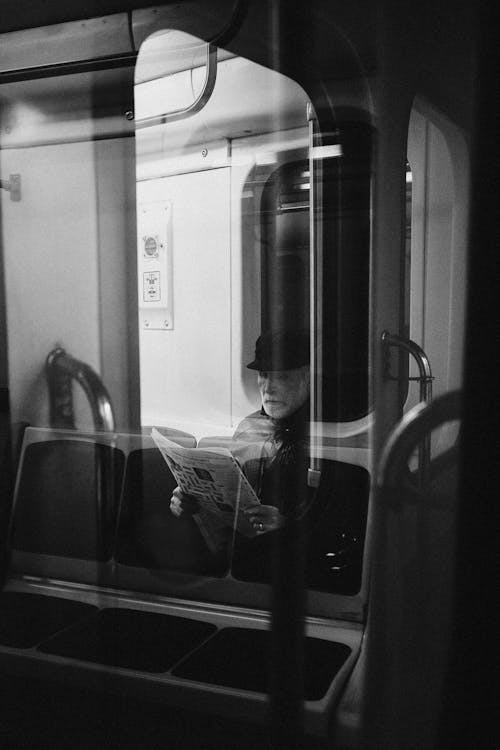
(166, 216)
(275, 226)
(199, 322)
(254, 221)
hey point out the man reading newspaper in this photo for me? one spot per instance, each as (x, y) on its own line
(272, 447)
(270, 444)
(214, 484)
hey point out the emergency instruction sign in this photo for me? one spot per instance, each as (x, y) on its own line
(151, 289)
(154, 257)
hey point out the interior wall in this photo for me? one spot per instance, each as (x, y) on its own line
(186, 370)
(117, 267)
(51, 269)
(193, 376)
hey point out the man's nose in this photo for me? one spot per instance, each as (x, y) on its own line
(269, 384)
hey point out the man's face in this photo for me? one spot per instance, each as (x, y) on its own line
(283, 391)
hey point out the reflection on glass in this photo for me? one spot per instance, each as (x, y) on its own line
(244, 302)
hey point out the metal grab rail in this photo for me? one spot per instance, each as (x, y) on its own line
(199, 102)
(61, 369)
(226, 34)
(415, 425)
(425, 379)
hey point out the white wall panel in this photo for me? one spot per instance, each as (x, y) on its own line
(186, 372)
(51, 268)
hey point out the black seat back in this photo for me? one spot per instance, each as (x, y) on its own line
(148, 535)
(65, 496)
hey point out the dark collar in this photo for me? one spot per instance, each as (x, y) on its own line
(291, 428)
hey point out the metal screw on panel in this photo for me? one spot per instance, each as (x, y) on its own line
(129, 114)
(204, 152)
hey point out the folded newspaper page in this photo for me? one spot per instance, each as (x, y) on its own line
(215, 478)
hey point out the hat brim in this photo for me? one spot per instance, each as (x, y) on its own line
(275, 366)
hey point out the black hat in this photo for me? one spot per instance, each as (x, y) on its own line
(281, 350)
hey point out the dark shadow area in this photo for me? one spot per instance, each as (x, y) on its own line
(130, 639)
(28, 619)
(44, 715)
(240, 658)
(149, 536)
(66, 499)
(334, 530)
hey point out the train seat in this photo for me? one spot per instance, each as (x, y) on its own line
(148, 535)
(130, 639)
(64, 509)
(336, 524)
(228, 659)
(27, 619)
(334, 531)
(11, 439)
(115, 490)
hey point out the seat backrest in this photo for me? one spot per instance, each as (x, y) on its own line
(177, 436)
(65, 495)
(147, 478)
(148, 535)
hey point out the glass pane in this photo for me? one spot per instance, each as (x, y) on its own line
(232, 292)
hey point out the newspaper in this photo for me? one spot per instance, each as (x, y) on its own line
(215, 478)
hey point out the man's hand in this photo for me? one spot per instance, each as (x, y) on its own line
(181, 503)
(264, 518)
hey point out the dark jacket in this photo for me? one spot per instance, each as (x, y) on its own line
(275, 456)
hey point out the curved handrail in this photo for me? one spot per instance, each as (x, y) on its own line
(199, 102)
(415, 426)
(235, 22)
(61, 368)
(425, 378)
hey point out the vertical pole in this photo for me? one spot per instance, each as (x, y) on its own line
(286, 682)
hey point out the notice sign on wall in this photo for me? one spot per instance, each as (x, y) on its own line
(154, 257)
(151, 290)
